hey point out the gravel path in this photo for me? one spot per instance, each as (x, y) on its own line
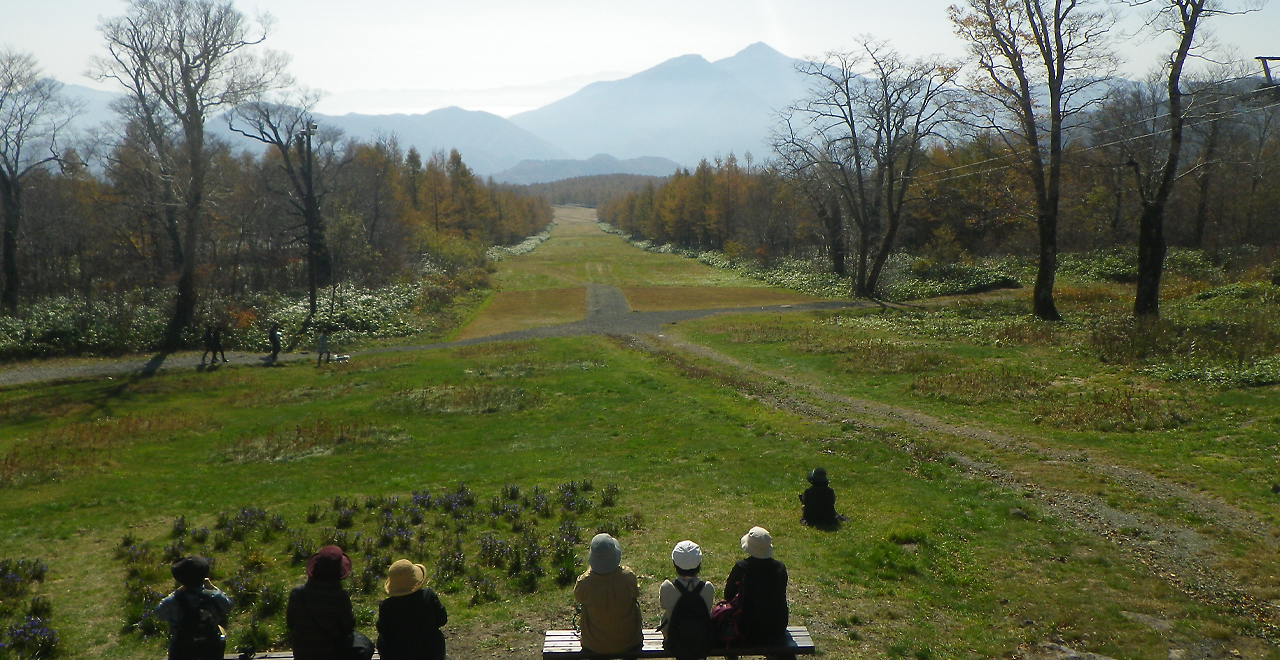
(607, 314)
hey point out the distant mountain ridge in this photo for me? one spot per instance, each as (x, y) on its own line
(545, 171)
(673, 114)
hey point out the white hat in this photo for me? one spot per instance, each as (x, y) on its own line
(687, 555)
(758, 543)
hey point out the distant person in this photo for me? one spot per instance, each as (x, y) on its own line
(318, 615)
(195, 612)
(762, 581)
(609, 595)
(209, 345)
(818, 501)
(217, 344)
(409, 620)
(322, 348)
(686, 606)
(273, 338)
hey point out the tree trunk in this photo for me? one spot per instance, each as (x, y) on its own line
(1042, 296)
(184, 307)
(11, 199)
(1151, 251)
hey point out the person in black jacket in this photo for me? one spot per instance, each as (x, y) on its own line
(819, 501)
(762, 580)
(409, 620)
(318, 615)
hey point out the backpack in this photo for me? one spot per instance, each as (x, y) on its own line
(690, 634)
(197, 635)
(725, 618)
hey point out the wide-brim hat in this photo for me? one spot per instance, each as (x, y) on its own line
(686, 555)
(605, 555)
(331, 563)
(190, 572)
(818, 476)
(404, 577)
(758, 543)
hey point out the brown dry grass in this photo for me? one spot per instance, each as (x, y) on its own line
(668, 298)
(510, 311)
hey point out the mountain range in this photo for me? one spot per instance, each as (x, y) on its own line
(674, 114)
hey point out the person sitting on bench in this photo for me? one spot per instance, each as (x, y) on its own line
(609, 595)
(762, 580)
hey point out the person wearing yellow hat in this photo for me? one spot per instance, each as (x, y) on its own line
(409, 620)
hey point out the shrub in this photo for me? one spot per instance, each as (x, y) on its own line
(32, 639)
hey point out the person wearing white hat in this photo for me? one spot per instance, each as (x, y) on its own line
(762, 580)
(687, 557)
(609, 595)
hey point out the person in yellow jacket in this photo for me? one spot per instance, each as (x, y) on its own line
(609, 595)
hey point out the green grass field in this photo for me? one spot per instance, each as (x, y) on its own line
(959, 438)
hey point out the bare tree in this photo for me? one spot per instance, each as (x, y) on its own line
(863, 128)
(190, 57)
(1037, 62)
(33, 116)
(288, 125)
(1181, 19)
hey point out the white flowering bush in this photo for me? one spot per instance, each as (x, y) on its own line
(898, 280)
(500, 252)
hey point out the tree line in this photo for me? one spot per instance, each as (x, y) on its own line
(1028, 146)
(156, 202)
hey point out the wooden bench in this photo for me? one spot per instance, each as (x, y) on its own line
(567, 645)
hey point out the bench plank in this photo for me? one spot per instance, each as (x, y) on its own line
(567, 645)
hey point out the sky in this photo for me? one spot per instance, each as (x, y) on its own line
(505, 56)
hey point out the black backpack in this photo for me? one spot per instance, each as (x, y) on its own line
(197, 635)
(690, 634)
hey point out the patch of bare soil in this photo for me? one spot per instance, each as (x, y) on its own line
(1187, 558)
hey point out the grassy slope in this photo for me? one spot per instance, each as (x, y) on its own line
(931, 564)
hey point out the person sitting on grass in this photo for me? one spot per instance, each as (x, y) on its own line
(318, 615)
(686, 606)
(609, 595)
(762, 580)
(818, 501)
(409, 620)
(195, 612)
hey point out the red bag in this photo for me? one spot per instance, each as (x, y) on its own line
(724, 618)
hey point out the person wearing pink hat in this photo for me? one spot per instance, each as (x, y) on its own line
(762, 580)
(409, 620)
(318, 614)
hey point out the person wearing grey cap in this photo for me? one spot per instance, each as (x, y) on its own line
(762, 580)
(609, 595)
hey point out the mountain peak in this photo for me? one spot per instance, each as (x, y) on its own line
(756, 53)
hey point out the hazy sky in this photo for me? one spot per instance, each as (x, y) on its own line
(344, 47)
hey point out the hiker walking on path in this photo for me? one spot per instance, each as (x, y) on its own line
(273, 338)
(322, 348)
(210, 345)
(217, 345)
